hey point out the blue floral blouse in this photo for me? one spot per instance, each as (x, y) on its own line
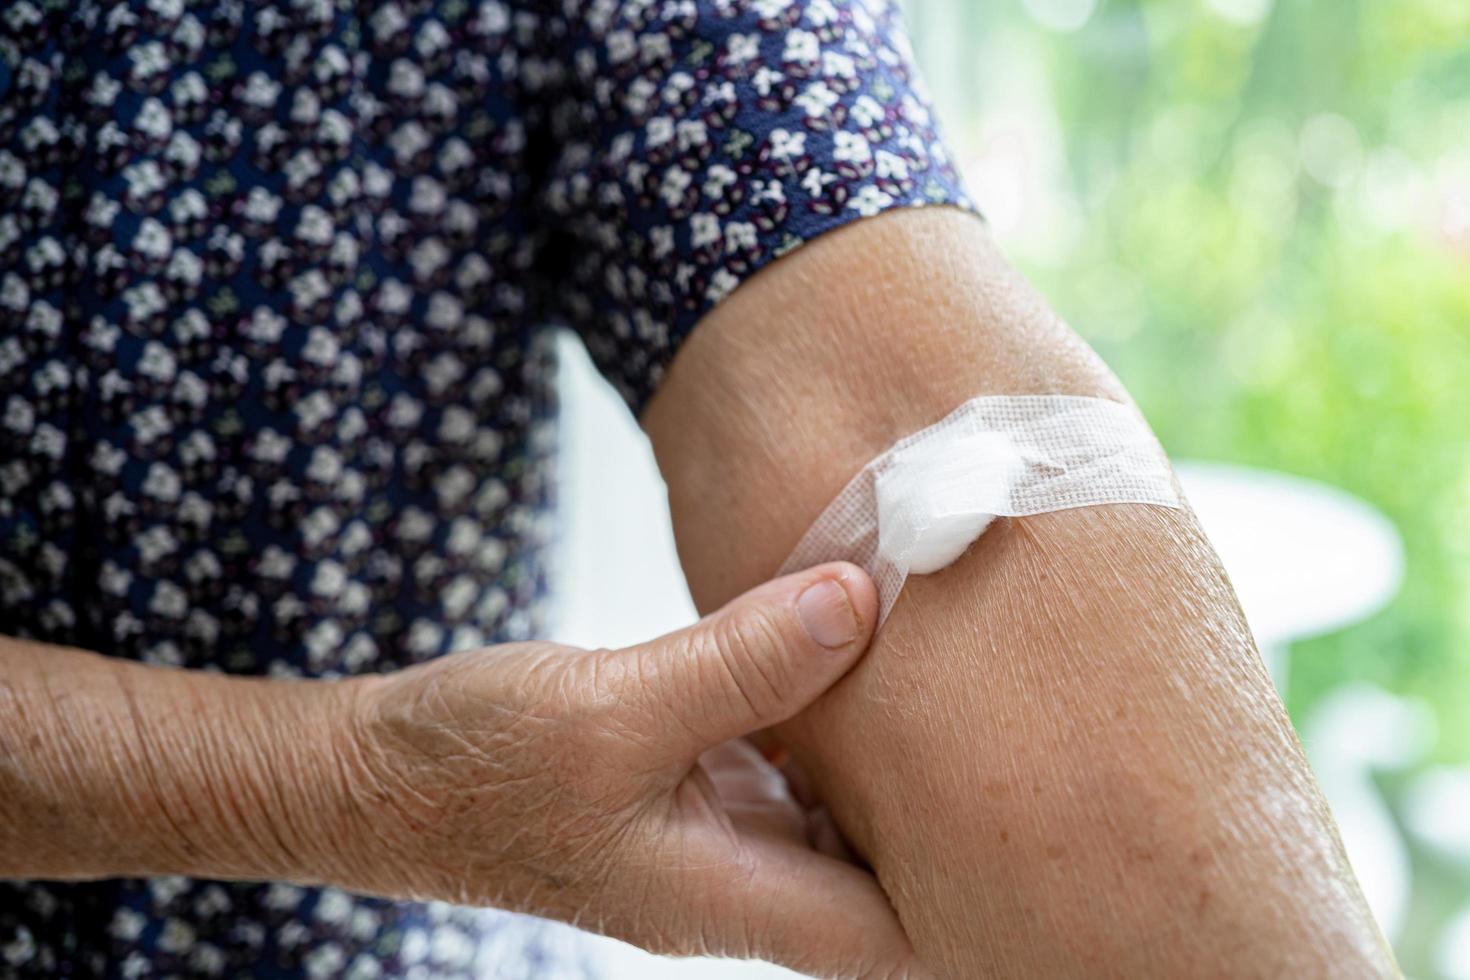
(276, 391)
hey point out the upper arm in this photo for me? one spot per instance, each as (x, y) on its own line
(824, 360)
(1061, 754)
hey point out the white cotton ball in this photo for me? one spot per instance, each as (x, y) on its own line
(937, 497)
(945, 540)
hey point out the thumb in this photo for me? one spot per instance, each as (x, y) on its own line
(761, 658)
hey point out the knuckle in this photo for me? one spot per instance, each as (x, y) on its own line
(657, 698)
(600, 739)
(742, 646)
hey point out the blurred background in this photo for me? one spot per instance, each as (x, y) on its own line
(1259, 212)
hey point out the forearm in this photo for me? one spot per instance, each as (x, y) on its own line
(110, 768)
(1062, 755)
(1065, 759)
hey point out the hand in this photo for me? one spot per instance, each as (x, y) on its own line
(569, 784)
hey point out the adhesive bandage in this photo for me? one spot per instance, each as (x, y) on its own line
(921, 504)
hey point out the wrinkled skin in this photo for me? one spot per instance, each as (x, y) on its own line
(609, 788)
(1062, 757)
(563, 782)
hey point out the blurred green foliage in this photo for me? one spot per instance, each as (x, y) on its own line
(1259, 232)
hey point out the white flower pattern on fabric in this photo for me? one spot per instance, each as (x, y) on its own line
(275, 384)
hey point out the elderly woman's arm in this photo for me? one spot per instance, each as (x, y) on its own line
(109, 767)
(1062, 756)
(608, 787)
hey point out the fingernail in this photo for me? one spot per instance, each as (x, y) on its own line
(827, 614)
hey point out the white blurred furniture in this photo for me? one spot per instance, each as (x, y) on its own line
(1304, 558)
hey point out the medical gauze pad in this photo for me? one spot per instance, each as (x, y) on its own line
(917, 507)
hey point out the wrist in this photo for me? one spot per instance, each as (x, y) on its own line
(310, 779)
(235, 778)
(355, 841)
(375, 841)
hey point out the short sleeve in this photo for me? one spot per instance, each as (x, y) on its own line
(699, 140)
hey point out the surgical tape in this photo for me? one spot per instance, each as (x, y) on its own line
(921, 504)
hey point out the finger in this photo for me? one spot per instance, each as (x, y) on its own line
(742, 775)
(756, 662)
(770, 745)
(799, 782)
(772, 752)
(826, 839)
(805, 911)
(753, 792)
